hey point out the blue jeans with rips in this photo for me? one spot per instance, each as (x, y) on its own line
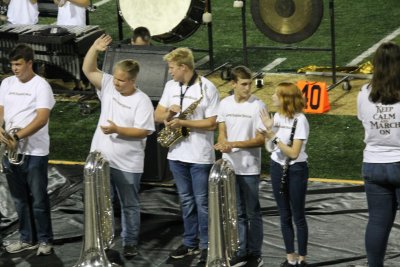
(382, 187)
(292, 204)
(191, 180)
(249, 215)
(28, 188)
(127, 186)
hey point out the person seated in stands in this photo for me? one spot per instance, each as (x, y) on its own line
(141, 36)
(71, 12)
(22, 11)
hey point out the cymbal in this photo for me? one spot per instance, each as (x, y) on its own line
(287, 21)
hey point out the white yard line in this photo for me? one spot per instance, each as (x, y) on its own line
(202, 61)
(273, 64)
(373, 48)
(102, 2)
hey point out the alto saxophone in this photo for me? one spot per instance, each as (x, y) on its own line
(168, 136)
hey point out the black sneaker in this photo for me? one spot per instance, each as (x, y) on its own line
(302, 264)
(183, 251)
(203, 256)
(237, 261)
(255, 261)
(287, 264)
(130, 251)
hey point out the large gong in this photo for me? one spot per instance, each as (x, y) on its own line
(287, 21)
(168, 21)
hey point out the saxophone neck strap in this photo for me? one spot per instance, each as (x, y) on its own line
(190, 83)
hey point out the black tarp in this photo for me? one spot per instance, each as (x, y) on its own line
(336, 213)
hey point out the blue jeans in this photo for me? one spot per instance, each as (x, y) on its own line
(28, 188)
(292, 204)
(249, 215)
(127, 186)
(382, 186)
(191, 180)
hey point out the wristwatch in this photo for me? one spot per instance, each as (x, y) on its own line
(276, 140)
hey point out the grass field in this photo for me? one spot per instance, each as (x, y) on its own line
(335, 145)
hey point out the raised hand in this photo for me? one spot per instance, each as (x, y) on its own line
(266, 119)
(102, 42)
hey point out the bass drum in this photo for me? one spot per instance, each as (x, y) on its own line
(169, 21)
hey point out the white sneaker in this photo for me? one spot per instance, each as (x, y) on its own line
(20, 246)
(44, 249)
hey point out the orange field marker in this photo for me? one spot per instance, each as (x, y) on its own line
(316, 94)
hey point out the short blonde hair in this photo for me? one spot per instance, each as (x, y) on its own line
(292, 99)
(181, 56)
(128, 65)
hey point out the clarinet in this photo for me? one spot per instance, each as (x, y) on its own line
(285, 168)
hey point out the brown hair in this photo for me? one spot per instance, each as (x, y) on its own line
(385, 82)
(292, 99)
(240, 72)
(23, 51)
(182, 56)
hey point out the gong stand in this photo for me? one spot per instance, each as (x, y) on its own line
(331, 49)
(210, 49)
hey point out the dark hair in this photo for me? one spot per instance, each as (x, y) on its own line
(141, 32)
(240, 72)
(385, 81)
(23, 51)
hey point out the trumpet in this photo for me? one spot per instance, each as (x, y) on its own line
(12, 153)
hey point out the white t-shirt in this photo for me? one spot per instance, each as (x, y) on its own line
(71, 14)
(283, 128)
(382, 128)
(20, 102)
(22, 12)
(242, 120)
(136, 110)
(198, 146)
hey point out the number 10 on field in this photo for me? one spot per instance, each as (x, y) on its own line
(316, 95)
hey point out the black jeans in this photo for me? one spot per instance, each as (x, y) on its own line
(292, 204)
